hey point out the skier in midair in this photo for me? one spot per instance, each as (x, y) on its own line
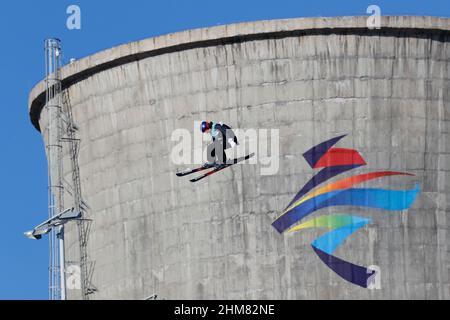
(223, 138)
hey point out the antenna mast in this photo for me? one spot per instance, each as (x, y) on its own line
(54, 148)
(62, 129)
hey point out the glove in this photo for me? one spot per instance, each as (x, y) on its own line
(232, 143)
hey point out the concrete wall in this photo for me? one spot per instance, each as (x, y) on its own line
(155, 233)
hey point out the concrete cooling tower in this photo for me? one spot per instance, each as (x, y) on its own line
(357, 123)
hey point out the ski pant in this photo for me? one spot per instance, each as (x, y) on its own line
(216, 151)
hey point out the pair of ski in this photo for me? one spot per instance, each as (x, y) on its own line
(215, 170)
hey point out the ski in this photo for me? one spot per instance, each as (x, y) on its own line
(222, 167)
(191, 171)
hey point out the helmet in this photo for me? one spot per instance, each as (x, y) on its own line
(205, 126)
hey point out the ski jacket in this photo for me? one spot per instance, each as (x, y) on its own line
(222, 132)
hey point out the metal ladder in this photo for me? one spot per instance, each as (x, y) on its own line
(83, 224)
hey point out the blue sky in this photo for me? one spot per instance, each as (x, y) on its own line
(105, 23)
